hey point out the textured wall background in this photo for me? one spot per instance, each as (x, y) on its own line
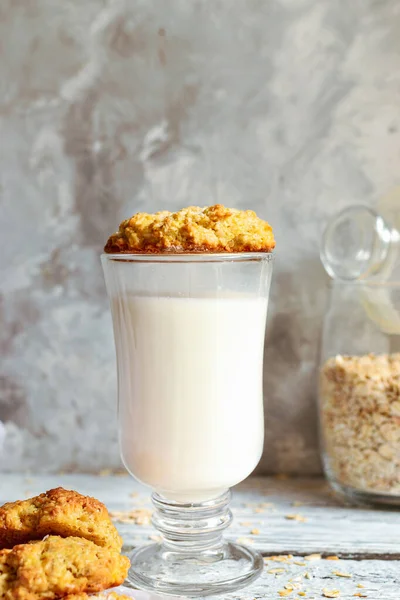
(109, 107)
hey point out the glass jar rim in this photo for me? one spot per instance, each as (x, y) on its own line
(189, 257)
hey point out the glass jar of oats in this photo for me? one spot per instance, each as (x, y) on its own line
(359, 391)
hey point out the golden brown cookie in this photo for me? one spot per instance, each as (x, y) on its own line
(56, 567)
(193, 229)
(57, 512)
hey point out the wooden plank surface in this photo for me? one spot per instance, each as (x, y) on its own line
(379, 581)
(259, 503)
(368, 541)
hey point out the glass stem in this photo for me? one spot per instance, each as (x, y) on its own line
(192, 527)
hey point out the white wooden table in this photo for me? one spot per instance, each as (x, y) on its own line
(299, 517)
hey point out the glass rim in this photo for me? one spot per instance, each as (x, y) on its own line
(189, 257)
(360, 283)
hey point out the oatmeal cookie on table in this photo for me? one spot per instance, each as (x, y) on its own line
(57, 512)
(56, 567)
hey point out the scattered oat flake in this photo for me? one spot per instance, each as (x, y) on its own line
(139, 516)
(134, 494)
(307, 575)
(299, 518)
(104, 472)
(360, 595)
(259, 511)
(313, 557)
(276, 571)
(334, 557)
(245, 524)
(244, 540)
(281, 558)
(340, 574)
(360, 585)
(299, 563)
(301, 593)
(330, 593)
(283, 593)
(255, 531)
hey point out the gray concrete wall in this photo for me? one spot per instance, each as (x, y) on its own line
(290, 107)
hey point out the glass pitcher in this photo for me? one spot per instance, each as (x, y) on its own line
(359, 382)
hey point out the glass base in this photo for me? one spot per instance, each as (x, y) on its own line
(156, 568)
(192, 558)
(356, 496)
(365, 498)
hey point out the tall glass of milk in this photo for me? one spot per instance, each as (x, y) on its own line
(189, 336)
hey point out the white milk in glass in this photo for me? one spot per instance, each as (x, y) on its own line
(190, 388)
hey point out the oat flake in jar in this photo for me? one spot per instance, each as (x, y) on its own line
(359, 392)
